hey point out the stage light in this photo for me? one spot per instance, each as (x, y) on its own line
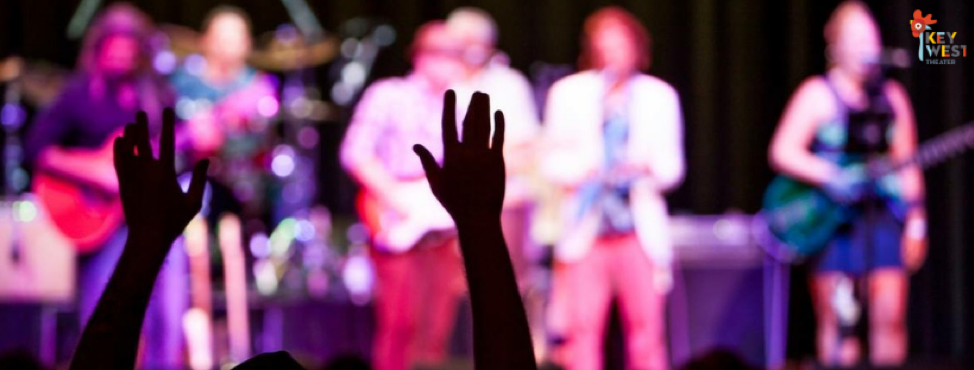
(283, 163)
(358, 276)
(195, 64)
(354, 73)
(304, 231)
(26, 210)
(12, 115)
(267, 106)
(281, 238)
(265, 277)
(164, 62)
(300, 107)
(384, 35)
(259, 245)
(185, 108)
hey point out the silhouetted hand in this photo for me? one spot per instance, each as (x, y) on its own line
(154, 204)
(470, 184)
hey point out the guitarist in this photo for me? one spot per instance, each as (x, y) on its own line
(71, 141)
(815, 131)
(393, 115)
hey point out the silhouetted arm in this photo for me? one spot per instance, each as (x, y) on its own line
(156, 210)
(470, 185)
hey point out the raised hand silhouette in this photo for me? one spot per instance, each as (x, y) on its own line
(154, 204)
(156, 210)
(470, 184)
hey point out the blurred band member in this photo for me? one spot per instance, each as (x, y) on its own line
(510, 92)
(72, 140)
(812, 135)
(614, 141)
(220, 98)
(418, 284)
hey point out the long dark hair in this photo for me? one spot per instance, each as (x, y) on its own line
(123, 19)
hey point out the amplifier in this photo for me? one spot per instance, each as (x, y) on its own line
(728, 292)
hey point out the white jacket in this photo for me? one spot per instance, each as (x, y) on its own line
(573, 142)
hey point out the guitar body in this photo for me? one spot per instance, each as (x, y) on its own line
(85, 216)
(801, 216)
(804, 218)
(396, 233)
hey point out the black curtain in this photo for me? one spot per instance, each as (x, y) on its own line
(734, 64)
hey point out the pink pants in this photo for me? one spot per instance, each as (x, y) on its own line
(416, 305)
(615, 267)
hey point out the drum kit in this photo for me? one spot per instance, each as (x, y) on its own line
(289, 52)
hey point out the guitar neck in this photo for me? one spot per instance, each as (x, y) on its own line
(938, 149)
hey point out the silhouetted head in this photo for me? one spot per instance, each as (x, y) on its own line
(615, 41)
(270, 361)
(226, 36)
(348, 363)
(717, 359)
(853, 41)
(437, 54)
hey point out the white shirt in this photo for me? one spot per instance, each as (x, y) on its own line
(573, 151)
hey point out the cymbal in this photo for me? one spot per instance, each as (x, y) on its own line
(11, 68)
(271, 53)
(277, 54)
(183, 40)
(41, 82)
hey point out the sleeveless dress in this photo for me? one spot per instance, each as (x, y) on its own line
(857, 247)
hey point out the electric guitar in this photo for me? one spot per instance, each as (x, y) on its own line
(86, 214)
(394, 232)
(804, 218)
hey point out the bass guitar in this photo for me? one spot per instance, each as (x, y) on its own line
(804, 218)
(85, 213)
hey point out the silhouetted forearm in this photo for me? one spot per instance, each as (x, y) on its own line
(111, 338)
(501, 336)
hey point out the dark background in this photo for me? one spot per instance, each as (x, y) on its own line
(734, 64)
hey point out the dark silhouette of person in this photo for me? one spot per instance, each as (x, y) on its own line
(469, 184)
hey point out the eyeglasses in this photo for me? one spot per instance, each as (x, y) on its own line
(442, 52)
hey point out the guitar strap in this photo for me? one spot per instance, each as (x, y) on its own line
(842, 110)
(833, 135)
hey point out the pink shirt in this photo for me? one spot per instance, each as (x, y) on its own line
(393, 115)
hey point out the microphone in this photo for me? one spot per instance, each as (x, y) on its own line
(891, 58)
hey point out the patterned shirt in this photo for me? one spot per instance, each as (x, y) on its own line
(393, 115)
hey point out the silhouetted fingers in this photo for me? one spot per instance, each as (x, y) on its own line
(476, 125)
(118, 147)
(142, 136)
(497, 145)
(430, 166)
(167, 141)
(197, 185)
(449, 118)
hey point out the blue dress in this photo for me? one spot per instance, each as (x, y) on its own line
(859, 246)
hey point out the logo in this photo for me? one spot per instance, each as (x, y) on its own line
(938, 47)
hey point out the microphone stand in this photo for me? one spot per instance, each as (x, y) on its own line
(867, 132)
